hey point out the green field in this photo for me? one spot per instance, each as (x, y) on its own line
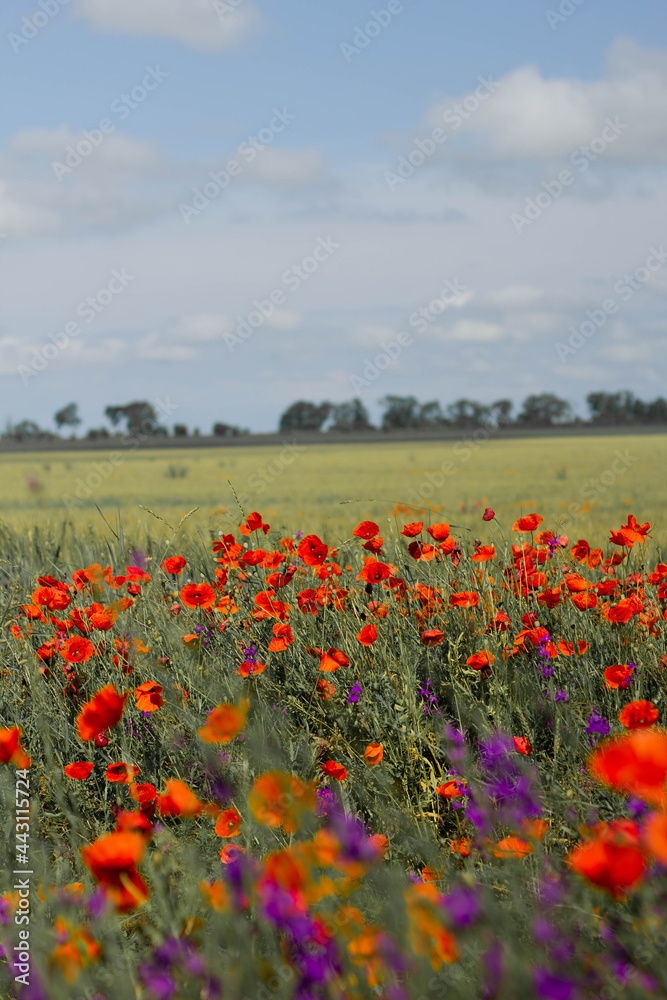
(305, 485)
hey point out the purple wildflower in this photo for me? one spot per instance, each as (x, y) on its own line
(462, 905)
(597, 726)
(353, 696)
(550, 987)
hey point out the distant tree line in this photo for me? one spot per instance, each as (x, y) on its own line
(406, 412)
(139, 419)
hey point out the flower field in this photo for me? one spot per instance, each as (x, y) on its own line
(423, 761)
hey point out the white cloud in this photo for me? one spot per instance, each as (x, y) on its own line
(207, 25)
(471, 331)
(531, 118)
(516, 296)
(288, 168)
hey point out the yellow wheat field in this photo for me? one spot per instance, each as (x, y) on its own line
(580, 485)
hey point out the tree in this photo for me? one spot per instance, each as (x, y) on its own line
(350, 416)
(544, 410)
(140, 416)
(467, 413)
(180, 431)
(303, 416)
(399, 411)
(228, 430)
(501, 412)
(613, 407)
(68, 416)
(431, 415)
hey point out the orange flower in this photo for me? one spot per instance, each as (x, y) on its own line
(112, 861)
(179, 800)
(421, 552)
(149, 696)
(366, 530)
(251, 669)
(284, 638)
(511, 847)
(198, 595)
(462, 846)
(253, 522)
(312, 550)
(103, 619)
(332, 660)
(174, 565)
(439, 532)
(522, 745)
(230, 853)
(527, 523)
(618, 675)
(611, 859)
(144, 793)
(278, 799)
(102, 712)
(375, 572)
(368, 635)
(11, 751)
(638, 715)
(77, 649)
(432, 637)
(79, 770)
(412, 530)
(483, 553)
(228, 823)
(121, 773)
(466, 599)
(224, 723)
(584, 601)
(326, 689)
(451, 789)
(655, 836)
(481, 660)
(373, 754)
(634, 764)
(334, 770)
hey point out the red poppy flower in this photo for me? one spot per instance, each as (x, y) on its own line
(483, 553)
(366, 530)
(143, 793)
(461, 847)
(375, 572)
(102, 712)
(112, 860)
(198, 595)
(103, 619)
(224, 723)
(253, 557)
(421, 551)
(11, 751)
(481, 660)
(634, 764)
(432, 637)
(174, 565)
(254, 522)
(325, 689)
(228, 823)
(266, 606)
(412, 530)
(584, 601)
(334, 770)
(466, 599)
(332, 660)
(230, 853)
(179, 800)
(439, 532)
(511, 847)
(618, 675)
(522, 745)
(451, 789)
(488, 514)
(374, 544)
(149, 696)
(284, 638)
(248, 669)
(312, 550)
(76, 649)
(373, 754)
(121, 773)
(527, 523)
(79, 770)
(638, 715)
(368, 635)
(612, 859)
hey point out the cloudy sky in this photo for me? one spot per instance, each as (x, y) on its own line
(226, 205)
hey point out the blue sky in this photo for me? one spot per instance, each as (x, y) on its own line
(326, 175)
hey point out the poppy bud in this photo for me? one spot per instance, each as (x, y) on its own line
(101, 740)
(488, 514)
